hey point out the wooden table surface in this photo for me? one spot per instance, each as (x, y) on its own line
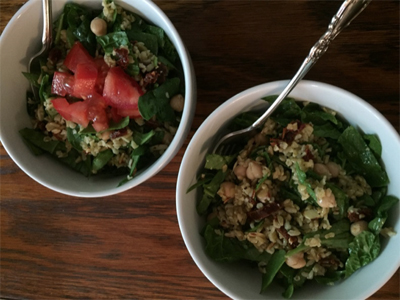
(129, 246)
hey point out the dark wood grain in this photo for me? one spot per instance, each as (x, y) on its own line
(129, 246)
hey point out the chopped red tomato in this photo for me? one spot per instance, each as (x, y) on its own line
(128, 112)
(63, 84)
(77, 55)
(85, 79)
(102, 70)
(97, 112)
(76, 112)
(120, 92)
(113, 114)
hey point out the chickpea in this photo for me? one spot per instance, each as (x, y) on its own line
(98, 26)
(326, 198)
(177, 103)
(333, 168)
(254, 170)
(321, 169)
(263, 195)
(226, 191)
(240, 171)
(296, 261)
(357, 227)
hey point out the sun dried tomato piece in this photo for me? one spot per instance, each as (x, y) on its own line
(267, 210)
(122, 57)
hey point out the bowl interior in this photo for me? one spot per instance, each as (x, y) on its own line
(242, 282)
(20, 40)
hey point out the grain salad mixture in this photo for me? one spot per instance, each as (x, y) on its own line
(304, 199)
(110, 94)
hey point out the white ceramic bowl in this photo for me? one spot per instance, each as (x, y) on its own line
(19, 41)
(241, 282)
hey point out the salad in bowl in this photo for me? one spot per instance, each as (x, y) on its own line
(110, 93)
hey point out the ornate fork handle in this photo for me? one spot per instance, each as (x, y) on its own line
(348, 11)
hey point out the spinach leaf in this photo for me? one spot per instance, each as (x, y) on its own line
(85, 35)
(112, 126)
(330, 277)
(135, 156)
(223, 249)
(158, 33)
(199, 183)
(149, 40)
(212, 188)
(374, 144)
(156, 102)
(361, 158)
(288, 274)
(77, 21)
(244, 120)
(58, 26)
(289, 291)
(37, 138)
(34, 149)
(82, 166)
(216, 161)
(286, 112)
(272, 268)
(385, 205)
(303, 180)
(363, 250)
(101, 159)
(169, 50)
(45, 88)
(118, 125)
(33, 78)
(341, 239)
(326, 130)
(312, 113)
(112, 41)
(203, 204)
(74, 139)
(142, 138)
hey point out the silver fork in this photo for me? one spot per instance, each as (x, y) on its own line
(34, 63)
(347, 12)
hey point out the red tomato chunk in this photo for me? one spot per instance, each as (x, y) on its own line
(109, 94)
(120, 92)
(63, 84)
(77, 55)
(85, 79)
(75, 112)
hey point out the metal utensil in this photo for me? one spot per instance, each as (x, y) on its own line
(34, 63)
(348, 11)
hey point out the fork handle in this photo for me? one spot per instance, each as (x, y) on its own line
(47, 24)
(348, 11)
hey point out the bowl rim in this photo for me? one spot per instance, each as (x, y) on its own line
(249, 93)
(182, 130)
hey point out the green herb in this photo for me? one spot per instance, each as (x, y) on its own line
(272, 268)
(216, 162)
(156, 102)
(114, 40)
(374, 144)
(363, 250)
(384, 206)
(101, 159)
(361, 158)
(303, 180)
